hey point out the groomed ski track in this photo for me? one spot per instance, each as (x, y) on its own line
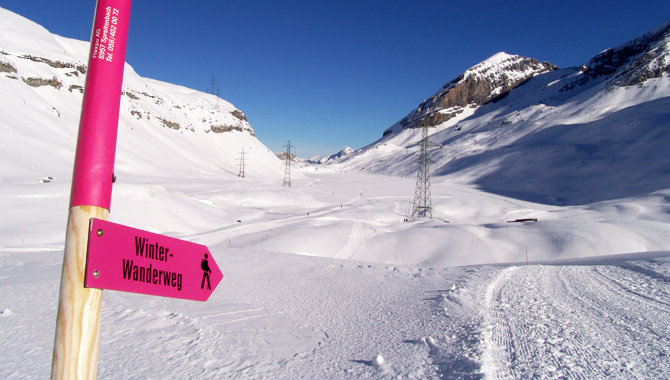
(578, 322)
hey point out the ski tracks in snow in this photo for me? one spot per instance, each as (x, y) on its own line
(583, 322)
(359, 234)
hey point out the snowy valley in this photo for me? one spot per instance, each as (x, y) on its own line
(325, 279)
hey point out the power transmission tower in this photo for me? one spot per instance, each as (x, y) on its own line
(214, 90)
(287, 164)
(423, 203)
(242, 163)
(213, 83)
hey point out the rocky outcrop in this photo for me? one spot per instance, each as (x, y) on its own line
(39, 82)
(169, 124)
(226, 128)
(632, 63)
(282, 156)
(486, 82)
(240, 125)
(56, 64)
(7, 67)
(239, 114)
(74, 87)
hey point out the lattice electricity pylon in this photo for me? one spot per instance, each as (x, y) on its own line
(242, 163)
(213, 83)
(287, 170)
(423, 203)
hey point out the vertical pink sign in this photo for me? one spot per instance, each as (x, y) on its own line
(98, 126)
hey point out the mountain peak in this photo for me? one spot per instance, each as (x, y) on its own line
(489, 80)
(499, 57)
(503, 67)
(495, 63)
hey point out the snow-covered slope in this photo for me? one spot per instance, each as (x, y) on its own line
(570, 136)
(164, 130)
(167, 133)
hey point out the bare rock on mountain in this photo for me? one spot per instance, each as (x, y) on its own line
(488, 81)
(631, 63)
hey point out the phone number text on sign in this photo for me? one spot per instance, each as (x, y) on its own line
(106, 36)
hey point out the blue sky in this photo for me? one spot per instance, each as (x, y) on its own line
(326, 74)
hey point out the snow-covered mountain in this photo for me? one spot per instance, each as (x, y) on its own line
(517, 127)
(485, 82)
(164, 130)
(332, 157)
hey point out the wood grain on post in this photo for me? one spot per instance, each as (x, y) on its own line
(78, 321)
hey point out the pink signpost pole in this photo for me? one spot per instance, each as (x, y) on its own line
(75, 353)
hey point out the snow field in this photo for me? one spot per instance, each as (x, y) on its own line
(278, 316)
(382, 287)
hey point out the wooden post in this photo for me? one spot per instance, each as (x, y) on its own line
(526, 257)
(75, 352)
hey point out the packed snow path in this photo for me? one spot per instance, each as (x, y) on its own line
(578, 322)
(283, 316)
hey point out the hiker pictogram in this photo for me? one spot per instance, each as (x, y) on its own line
(204, 265)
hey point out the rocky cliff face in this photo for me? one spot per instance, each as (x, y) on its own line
(486, 82)
(636, 61)
(631, 63)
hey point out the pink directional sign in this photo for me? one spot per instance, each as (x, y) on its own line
(136, 261)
